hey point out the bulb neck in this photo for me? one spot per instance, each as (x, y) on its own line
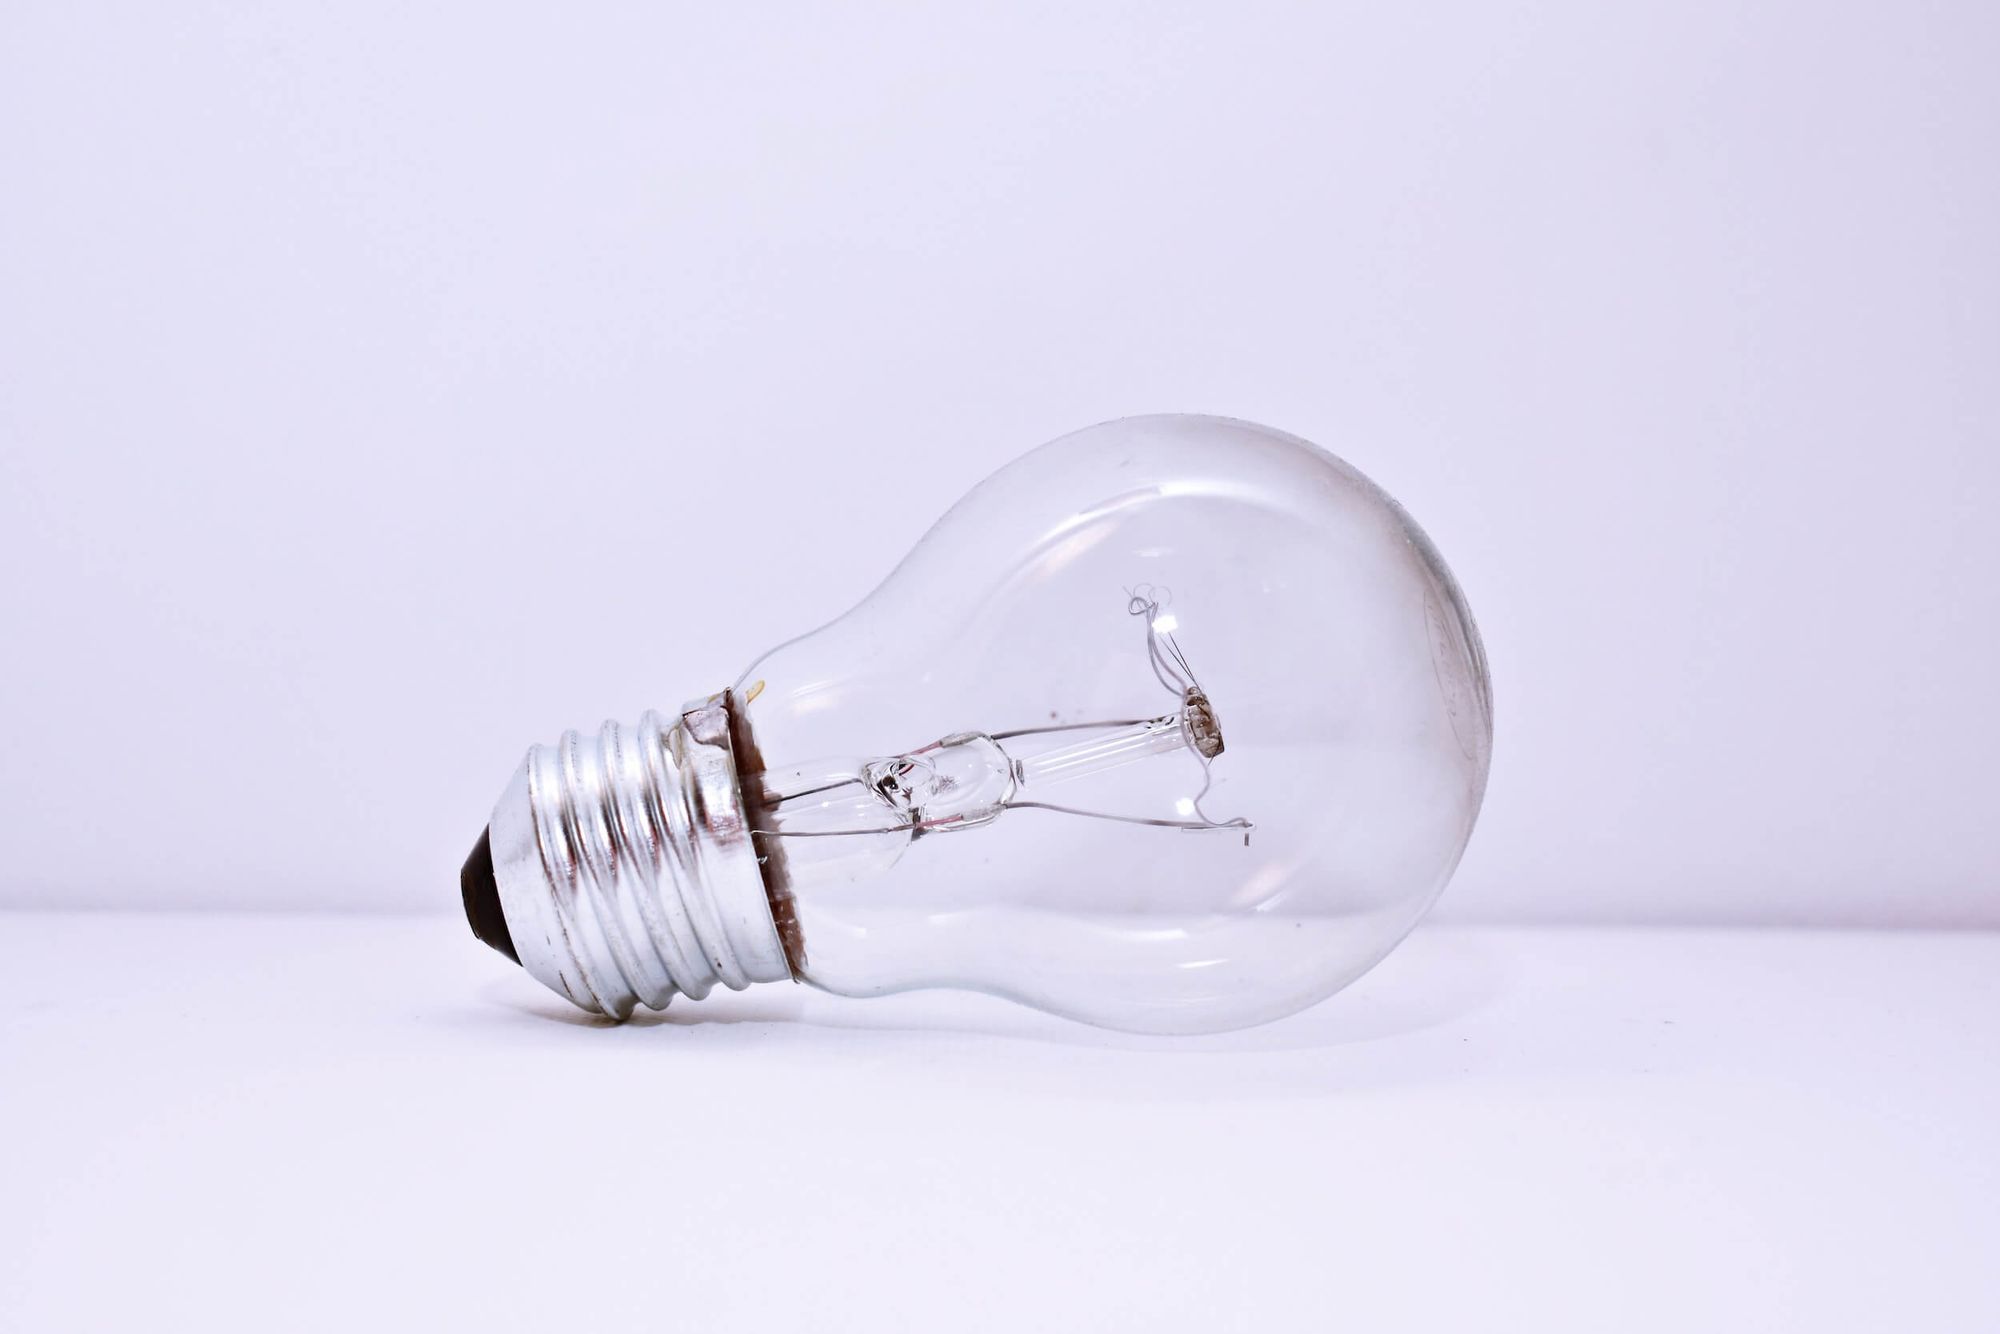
(624, 867)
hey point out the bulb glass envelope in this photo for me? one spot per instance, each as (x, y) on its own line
(1176, 724)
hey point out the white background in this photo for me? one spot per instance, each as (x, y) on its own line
(383, 388)
(1501, 1128)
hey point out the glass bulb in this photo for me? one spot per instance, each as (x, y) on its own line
(1174, 725)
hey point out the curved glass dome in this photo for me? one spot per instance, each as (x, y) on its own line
(1176, 724)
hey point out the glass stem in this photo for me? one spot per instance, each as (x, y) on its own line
(1102, 752)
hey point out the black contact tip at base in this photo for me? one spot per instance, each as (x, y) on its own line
(482, 898)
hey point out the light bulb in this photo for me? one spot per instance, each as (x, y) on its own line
(1175, 725)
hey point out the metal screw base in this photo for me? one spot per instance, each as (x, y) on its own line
(624, 866)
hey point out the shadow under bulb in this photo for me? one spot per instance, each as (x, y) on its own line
(1175, 725)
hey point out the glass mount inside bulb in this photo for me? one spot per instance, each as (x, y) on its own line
(867, 810)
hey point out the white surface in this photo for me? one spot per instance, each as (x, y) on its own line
(347, 1123)
(341, 347)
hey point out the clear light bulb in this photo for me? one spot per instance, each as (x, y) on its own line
(1175, 725)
